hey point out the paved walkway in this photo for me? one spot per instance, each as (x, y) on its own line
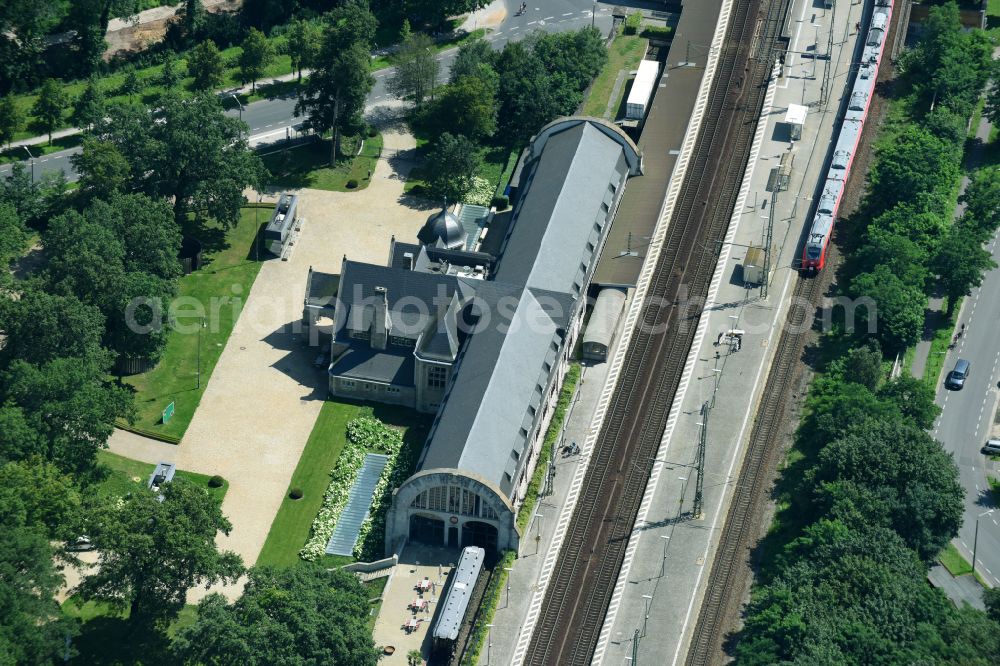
(933, 318)
(264, 395)
(960, 589)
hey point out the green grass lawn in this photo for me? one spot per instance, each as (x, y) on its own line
(993, 9)
(625, 53)
(106, 637)
(122, 473)
(954, 562)
(308, 165)
(290, 527)
(229, 272)
(939, 348)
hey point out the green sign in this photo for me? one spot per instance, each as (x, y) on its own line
(168, 412)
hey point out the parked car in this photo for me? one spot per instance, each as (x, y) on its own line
(956, 378)
(992, 447)
(80, 544)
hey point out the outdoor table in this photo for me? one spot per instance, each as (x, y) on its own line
(411, 624)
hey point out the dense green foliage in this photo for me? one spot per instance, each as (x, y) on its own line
(870, 497)
(335, 94)
(501, 98)
(154, 547)
(909, 240)
(35, 501)
(300, 615)
(187, 151)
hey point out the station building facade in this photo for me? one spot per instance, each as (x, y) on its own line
(478, 329)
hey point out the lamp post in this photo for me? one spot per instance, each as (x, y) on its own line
(645, 618)
(663, 562)
(238, 104)
(508, 570)
(538, 531)
(32, 162)
(975, 539)
(489, 642)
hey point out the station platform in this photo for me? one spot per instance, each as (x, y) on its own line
(660, 587)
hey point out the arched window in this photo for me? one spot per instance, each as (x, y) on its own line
(454, 499)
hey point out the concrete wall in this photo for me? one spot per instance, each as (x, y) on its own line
(376, 392)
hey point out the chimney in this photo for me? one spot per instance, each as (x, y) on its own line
(381, 323)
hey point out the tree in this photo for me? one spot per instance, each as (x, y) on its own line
(893, 474)
(89, 107)
(303, 45)
(132, 85)
(120, 255)
(49, 107)
(12, 240)
(960, 263)
(205, 65)
(913, 398)
(305, 614)
(472, 56)
(336, 91)
(911, 162)
(36, 493)
(922, 220)
(416, 69)
(991, 598)
(452, 163)
(578, 55)
(527, 96)
(190, 152)
(466, 107)
(101, 167)
(435, 12)
(11, 119)
(256, 55)
(903, 256)
(170, 75)
(863, 365)
(63, 410)
(153, 551)
(194, 19)
(897, 318)
(33, 629)
(982, 202)
(42, 327)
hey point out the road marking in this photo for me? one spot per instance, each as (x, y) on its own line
(532, 22)
(568, 14)
(548, 18)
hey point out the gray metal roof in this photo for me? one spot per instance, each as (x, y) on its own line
(367, 364)
(321, 288)
(499, 380)
(568, 194)
(455, 602)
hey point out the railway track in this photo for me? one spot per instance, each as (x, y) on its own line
(754, 481)
(724, 594)
(585, 573)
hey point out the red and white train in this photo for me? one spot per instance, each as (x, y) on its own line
(818, 241)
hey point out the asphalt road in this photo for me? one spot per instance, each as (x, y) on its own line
(273, 119)
(967, 417)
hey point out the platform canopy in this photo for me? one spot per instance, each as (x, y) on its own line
(796, 114)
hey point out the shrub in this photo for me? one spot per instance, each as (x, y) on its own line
(632, 23)
(660, 32)
(295, 493)
(216, 481)
(501, 202)
(351, 184)
(372, 132)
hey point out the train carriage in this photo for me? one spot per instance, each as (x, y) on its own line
(821, 227)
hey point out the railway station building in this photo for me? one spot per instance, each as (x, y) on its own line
(477, 325)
